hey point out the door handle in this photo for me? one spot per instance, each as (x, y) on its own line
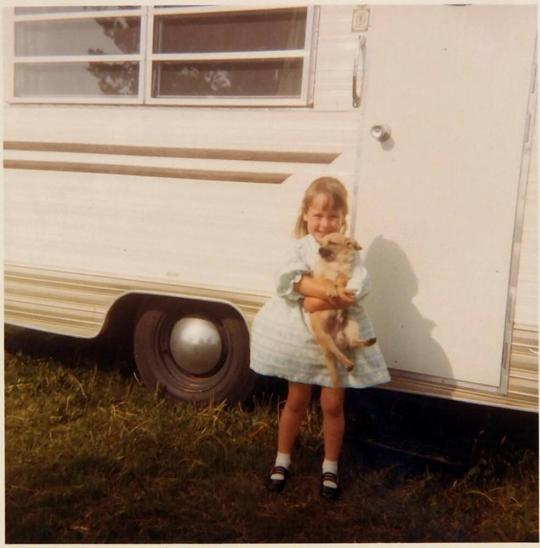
(380, 132)
(358, 72)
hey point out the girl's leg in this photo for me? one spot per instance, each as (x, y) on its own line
(333, 428)
(333, 421)
(298, 398)
(294, 411)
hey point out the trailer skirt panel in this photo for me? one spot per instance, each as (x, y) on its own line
(78, 305)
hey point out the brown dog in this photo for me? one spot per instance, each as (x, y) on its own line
(333, 329)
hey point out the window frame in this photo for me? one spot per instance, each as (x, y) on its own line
(140, 11)
(146, 57)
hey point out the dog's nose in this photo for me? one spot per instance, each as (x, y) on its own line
(325, 253)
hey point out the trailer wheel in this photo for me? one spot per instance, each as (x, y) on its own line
(196, 352)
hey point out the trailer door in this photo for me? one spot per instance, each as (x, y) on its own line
(437, 200)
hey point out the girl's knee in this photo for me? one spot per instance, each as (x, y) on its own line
(298, 398)
(332, 401)
(296, 407)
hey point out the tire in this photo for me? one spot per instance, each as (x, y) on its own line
(224, 376)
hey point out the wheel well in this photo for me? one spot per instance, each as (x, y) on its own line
(196, 375)
(122, 316)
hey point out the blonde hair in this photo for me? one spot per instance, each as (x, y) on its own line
(336, 193)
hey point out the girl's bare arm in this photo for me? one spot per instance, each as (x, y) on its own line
(314, 304)
(311, 287)
(315, 296)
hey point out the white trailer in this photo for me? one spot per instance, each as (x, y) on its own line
(155, 158)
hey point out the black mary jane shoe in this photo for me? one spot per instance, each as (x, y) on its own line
(277, 485)
(329, 493)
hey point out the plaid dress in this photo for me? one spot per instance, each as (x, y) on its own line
(282, 344)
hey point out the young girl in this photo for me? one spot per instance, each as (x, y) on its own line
(282, 344)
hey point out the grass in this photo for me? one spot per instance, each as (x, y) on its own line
(94, 457)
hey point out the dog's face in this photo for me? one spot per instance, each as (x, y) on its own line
(337, 245)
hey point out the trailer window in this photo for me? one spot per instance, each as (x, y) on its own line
(77, 53)
(229, 54)
(89, 36)
(162, 55)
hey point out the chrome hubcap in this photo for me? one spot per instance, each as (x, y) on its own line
(196, 345)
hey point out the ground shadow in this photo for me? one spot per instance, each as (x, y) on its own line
(106, 351)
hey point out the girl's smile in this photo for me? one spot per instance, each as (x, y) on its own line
(321, 219)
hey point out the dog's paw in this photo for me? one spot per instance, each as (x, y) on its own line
(362, 343)
(346, 362)
(331, 293)
(344, 294)
(330, 289)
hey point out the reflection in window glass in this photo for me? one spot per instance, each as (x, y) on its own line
(248, 53)
(67, 9)
(232, 78)
(252, 31)
(76, 79)
(109, 36)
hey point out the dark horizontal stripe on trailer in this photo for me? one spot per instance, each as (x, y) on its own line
(173, 152)
(150, 171)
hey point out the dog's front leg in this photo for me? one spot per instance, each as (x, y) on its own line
(329, 286)
(341, 287)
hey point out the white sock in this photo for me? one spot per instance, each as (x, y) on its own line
(282, 459)
(330, 466)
